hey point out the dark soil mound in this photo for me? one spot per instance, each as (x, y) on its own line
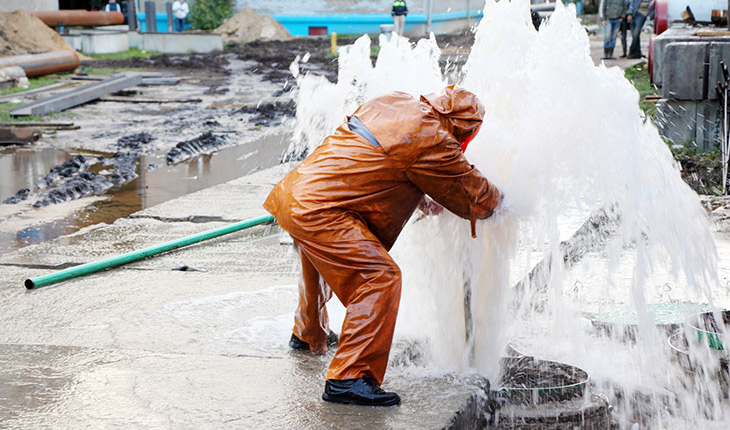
(702, 171)
(269, 114)
(206, 143)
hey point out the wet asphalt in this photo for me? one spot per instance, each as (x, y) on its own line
(146, 346)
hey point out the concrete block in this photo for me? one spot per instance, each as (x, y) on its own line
(96, 41)
(104, 42)
(684, 75)
(690, 121)
(673, 34)
(74, 40)
(719, 52)
(135, 39)
(709, 125)
(181, 42)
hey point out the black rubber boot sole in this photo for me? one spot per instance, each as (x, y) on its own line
(348, 401)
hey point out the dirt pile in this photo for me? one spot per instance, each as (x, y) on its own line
(247, 26)
(22, 33)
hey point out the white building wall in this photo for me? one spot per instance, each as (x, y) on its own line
(28, 5)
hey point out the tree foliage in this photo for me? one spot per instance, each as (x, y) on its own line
(210, 14)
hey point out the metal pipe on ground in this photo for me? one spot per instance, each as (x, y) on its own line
(84, 18)
(107, 263)
(79, 96)
(43, 64)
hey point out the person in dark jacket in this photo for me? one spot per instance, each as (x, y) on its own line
(344, 207)
(611, 12)
(639, 10)
(400, 10)
(112, 6)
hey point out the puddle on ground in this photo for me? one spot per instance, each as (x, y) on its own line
(23, 167)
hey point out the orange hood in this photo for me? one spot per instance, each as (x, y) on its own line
(460, 109)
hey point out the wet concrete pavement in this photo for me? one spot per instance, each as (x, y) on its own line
(145, 346)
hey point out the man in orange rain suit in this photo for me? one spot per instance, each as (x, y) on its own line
(344, 207)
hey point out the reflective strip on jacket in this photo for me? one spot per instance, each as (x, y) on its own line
(399, 8)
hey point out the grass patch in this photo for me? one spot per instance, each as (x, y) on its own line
(702, 170)
(132, 53)
(34, 83)
(639, 77)
(6, 117)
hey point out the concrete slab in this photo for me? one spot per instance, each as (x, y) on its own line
(173, 43)
(149, 347)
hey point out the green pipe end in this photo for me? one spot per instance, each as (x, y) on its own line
(29, 284)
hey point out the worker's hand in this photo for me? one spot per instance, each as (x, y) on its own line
(603, 22)
(628, 18)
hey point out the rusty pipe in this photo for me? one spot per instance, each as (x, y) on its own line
(43, 64)
(79, 17)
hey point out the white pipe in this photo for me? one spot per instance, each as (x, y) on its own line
(468, 13)
(430, 10)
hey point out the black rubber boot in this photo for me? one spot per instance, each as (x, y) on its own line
(610, 54)
(605, 54)
(361, 391)
(299, 345)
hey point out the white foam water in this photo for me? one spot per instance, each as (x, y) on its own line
(561, 138)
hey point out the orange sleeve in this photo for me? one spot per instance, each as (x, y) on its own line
(443, 173)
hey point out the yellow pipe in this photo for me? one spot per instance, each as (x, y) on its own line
(334, 44)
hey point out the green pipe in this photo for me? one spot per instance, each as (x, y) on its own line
(96, 266)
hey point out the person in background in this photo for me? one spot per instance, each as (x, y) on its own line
(623, 29)
(611, 12)
(400, 10)
(344, 207)
(180, 12)
(639, 10)
(112, 6)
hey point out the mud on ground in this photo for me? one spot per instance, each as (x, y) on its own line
(271, 59)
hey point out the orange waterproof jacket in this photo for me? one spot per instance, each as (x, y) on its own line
(419, 153)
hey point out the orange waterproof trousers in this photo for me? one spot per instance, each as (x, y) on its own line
(367, 281)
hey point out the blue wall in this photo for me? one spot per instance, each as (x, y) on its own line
(298, 25)
(161, 19)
